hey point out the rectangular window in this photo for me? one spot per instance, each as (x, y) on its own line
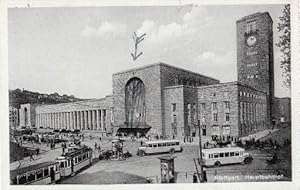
(177, 143)
(22, 179)
(31, 177)
(214, 105)
(236, 153)
(251, 27)
(215, 116)
(173, 107)
(39, 174)
(46, 172)
(159, 144)
(227, 105)
(226, 154)
(174, 119)
(221, 155)
(216, 155)
(231, 153)
(203, 106)
(227, 117)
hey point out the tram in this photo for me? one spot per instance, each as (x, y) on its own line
(72, 162)
(38, 174)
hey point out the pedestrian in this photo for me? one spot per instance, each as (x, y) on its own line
(31, 156)
(100, 138)
(37, 151)
(96, 146)
(141, 143)
(99, 148)
(195, 178)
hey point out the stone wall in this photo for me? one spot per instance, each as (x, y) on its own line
(220, 93)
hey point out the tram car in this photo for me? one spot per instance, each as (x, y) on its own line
(38, 174)
(74, 161)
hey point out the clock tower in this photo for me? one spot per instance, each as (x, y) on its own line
(255, 54)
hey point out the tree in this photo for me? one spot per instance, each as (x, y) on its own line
(284, 27)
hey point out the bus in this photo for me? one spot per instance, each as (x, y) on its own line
(159, 146)
(74, 161)
(38, 174)
(228, 155)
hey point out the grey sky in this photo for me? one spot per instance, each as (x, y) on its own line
(76, 50)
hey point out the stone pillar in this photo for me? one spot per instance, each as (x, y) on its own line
(98, 119)
(50, 120)
(81, 120)
(93, 120)
(67, 120)
(85, 120)
(55, 121)
(71, 120)
(101, 120)
(77, 120)
(89, 119)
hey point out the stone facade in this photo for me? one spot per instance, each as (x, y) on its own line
(13, 117)
(27, 115)
(83, 115)
(255, 54)
(155, 77)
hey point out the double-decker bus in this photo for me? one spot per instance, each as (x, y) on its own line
(159, 146)
(74, 161)
(38, 174)
(222, 156)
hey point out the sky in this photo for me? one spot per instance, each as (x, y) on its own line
(74, 51)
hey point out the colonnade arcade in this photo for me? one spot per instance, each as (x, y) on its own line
(83, 120)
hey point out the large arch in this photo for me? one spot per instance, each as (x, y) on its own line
(25, 116)
(135, 106)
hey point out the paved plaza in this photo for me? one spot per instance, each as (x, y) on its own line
(137, 169)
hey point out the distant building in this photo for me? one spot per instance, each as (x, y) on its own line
(13, 117)
(27, 115)
(282, 110)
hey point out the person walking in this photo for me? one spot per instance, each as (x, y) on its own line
(31, 156)
(96, 146)
(37, 151)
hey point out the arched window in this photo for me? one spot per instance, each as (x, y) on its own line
(135, 110)
(26, 116)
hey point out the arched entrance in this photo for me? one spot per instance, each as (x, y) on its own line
(135, 107)
(25, 116)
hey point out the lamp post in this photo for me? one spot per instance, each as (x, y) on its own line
(200, 154)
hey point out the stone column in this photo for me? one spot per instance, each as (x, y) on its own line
(81, 120)
(67, 120)
(77, 120)
(93, 119)
(71, 120)
(89, 119)
(85, 120)
(64, 120)
(98, 119)
(101, 120)
(50, 120)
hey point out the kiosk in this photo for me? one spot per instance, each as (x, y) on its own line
(167, 169)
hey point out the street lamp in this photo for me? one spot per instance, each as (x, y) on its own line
(200, 154)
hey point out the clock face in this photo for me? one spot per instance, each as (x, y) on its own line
(251, 40)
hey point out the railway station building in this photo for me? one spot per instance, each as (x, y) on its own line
(165, 100)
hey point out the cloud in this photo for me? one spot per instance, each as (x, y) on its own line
(106, 29)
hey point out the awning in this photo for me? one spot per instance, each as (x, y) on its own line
(127, 130)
